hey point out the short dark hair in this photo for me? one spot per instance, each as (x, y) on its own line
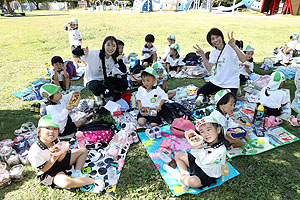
(145, 74)
(56, 59)
(150, 38)
(214, 31)
(239, 44)
(225, 99)
(120, 42)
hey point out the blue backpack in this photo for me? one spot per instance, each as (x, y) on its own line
(71, 69)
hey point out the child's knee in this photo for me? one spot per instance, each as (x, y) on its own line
(179, 155)
(142, 121)
(154, 124)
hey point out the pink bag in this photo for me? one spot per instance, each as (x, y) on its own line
(98, 136)
(180, 125)
(165, 143)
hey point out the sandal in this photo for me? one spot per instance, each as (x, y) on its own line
(293, 120)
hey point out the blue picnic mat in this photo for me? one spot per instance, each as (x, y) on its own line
(228, 171)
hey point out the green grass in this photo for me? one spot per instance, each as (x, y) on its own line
(28, 42)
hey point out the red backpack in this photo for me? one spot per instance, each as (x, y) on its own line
(180, 125)
(71, 69)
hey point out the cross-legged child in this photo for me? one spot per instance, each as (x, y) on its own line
(150, 96)
(59, 75)
(174, 60)
(50, 168)
(149, 54)
(204, 161)
(225, 101)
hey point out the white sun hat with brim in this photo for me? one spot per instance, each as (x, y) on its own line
(48, 90)
(73, 21)
(150, 70)
(248, 48)
(220, 94)
(275, 81)
(205, 120)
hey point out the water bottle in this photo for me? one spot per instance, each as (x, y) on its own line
(132, 102)
(112, 175)
(258, 115)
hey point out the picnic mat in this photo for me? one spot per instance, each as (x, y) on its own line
(98, 161)
(228, 171)
(274, 137)
(79, 72)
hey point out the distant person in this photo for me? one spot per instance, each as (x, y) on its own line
(174, 60)
(171, 40)
(247, 67)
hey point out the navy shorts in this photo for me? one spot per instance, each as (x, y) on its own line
(150, 119)
(197, 171)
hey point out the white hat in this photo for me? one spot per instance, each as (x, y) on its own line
(295, 36)
(205, 120)
(220, 94)
(150, 70)
(175, 46)
(249, 48)
(275, 81)
(73, 21)
(171, 36)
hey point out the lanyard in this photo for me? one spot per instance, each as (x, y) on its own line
(219, 57)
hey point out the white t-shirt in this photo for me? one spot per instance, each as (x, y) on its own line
(210, 159)
(74, 37)
(151, 98)
(292, 44)
(226, 121)
(94, 70)
(175, 62)
(60, 112)
(275, 99)
(227, 69)
(167, 52)
(147, 55)
(60, 75)
(282, 57)
(38, 155)
(243, 69)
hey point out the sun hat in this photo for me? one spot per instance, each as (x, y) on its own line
(48, 90)
(48, 121)
(248, 48)
(205, 120)
(295, 36)
(275, 80)
(175, 46)
(220, 94)
(157, 65)
(171, 36)
(150, 70)
(73, 21)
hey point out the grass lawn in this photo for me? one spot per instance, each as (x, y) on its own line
(28, 42)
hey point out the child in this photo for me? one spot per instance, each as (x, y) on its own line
(205, 161)
(50, 168)
(225, 101)
(59, 107)
(171, 40)
(94, 78)
(149, 54)
(75, 38)
(126, 59)
(283, 57)
(150, 96)
(247, 67)
(272, 97)
(59, 75)
(174, 61)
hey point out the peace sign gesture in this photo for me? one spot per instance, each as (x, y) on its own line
(199, 50)
(231, 40)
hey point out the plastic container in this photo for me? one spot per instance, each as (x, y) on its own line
(17, 172)
(146, 111)
(193, 138)
(59, 148)
(112, 176)
(161, 155)
(237, 132)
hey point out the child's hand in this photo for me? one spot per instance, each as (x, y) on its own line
(120, 57)
(76, 92)
(197, 147)
(239, 122)
(86, 51)
(69, 107)
(199, 50)
(231, 40)
(158, 107)
(65, 67)
(228, 133)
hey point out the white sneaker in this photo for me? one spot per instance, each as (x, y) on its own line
(99, 185)
(98, 100)
(199, 100)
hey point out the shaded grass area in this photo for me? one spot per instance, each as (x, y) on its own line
(28, 42)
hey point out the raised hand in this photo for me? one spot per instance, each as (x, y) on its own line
(86, 51)
(199, 50)
(231, 40)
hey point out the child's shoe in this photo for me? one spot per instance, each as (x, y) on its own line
(37, 107)
(255, 144)
(43, 110)
(134, 137)
(199, 100)
(99, 185)
(150, 134)
(247, 148)
(157, 131)
(32, 107)
(78, 173)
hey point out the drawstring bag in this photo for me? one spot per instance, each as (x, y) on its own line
(180, 125)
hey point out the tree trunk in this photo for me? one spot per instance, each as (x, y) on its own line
(9, 8)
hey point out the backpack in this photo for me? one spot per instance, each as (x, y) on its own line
(192, 59)
(171, 111)
(180, 125)
(71, 69)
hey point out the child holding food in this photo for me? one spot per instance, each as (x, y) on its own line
(59, 106)
(51, 165)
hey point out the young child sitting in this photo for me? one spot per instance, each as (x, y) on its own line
(174, 61)
(50, 168)
(126, 59)
(59, 75)
(225, 102)
(59, 106)
(75, 38)
(150, 97)
(247, 67)
(149, 54)
(171, 40)
(272, 97)
(205, 161)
